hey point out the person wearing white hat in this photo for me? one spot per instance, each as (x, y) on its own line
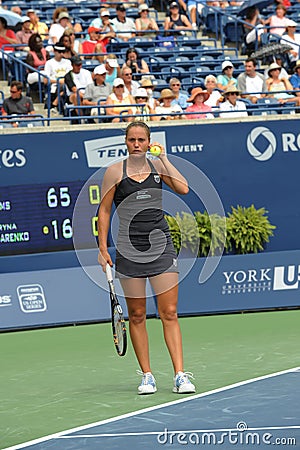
(144, 24)
(113, 69)
(24, 34)
(99, 90)
(232, 107)
(293, 39)
(57, 29)
(118, 103)
(277, 86)
(143, 111)
(226, 79)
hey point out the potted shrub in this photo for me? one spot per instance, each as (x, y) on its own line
(248, 229)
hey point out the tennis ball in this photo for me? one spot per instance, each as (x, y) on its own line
(155, 150)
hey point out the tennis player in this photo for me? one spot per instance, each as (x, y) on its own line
(144, 248)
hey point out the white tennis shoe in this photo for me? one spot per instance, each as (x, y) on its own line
(182, 383)
(148, 383)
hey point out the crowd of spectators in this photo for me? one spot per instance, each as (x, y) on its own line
(124, 89)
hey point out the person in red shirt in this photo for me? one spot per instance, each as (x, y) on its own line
(93, 44)
(6, 36)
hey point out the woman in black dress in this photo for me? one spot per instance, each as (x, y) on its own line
(144, 247)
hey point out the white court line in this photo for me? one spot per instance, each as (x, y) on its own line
(60, 434)
(151, 433)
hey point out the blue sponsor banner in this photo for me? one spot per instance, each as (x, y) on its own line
(249, 162)
(68, 295)
(242, 283)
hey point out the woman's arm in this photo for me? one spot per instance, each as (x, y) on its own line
(108, 189)
(169, 174)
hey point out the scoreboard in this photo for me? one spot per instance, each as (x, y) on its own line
(37, 218)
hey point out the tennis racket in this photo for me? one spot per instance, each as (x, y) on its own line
(117, 318)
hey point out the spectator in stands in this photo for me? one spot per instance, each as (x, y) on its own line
(98, 22)
(66, 42)
(210, 84)
(76, 81)
(36, 58)
(113, 69)
(17, 103)
(135, 62)
(56, 69)
(143, 111)
(278, 21)
(197, 98)
(93, 45)
(295, 79)
(36, 26)
(119, 101)
(279, 61)
(175, 22)
(147, 84)
(57, 29)
(253, 27)
(293, 39)
(278, 86)
(166, 110)
(16, 10)
(130, 85)
(98, 90)
(251, 83)
(226, 79)
(232, 107)
(74, 42)
(6, 36)
(144, 24)
(180, 98)
(107, 30)
(24, 34)
(190, 9)
(77, 26)
(122, 25)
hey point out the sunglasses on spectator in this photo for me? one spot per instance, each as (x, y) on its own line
(141, 98)
(176, 84)
(127, 74)
(233, 93)
(13, 92)
(121, 86)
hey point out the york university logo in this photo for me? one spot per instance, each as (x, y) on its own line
(261, 143)
(261, 280)
(286, 277)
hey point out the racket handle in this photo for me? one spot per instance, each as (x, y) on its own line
(108, 273)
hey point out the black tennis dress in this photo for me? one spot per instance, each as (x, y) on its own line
(144, 245)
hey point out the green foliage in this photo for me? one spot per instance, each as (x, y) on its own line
(174, 232)
(212, 233)
(248, 229)
(245, 230)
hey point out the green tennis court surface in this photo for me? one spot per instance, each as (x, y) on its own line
(57, 379)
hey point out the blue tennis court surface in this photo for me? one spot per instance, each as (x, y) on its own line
(252, 414)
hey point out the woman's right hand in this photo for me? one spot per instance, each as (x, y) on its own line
(103, 259)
